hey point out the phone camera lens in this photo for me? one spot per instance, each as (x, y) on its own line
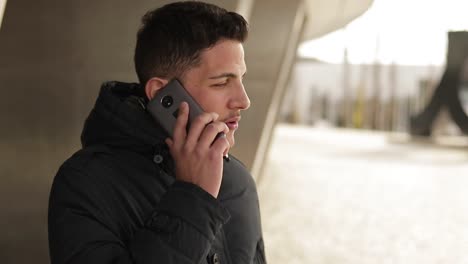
(167, 101)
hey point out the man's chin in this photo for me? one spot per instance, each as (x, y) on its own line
(231, 140)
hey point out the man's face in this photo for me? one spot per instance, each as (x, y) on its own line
(216, 84)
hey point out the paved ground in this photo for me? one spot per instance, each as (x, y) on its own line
(342, 196)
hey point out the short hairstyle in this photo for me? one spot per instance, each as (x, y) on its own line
(172, 37)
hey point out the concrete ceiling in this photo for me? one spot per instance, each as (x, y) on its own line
(325, 16)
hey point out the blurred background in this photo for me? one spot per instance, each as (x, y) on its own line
(356, 135)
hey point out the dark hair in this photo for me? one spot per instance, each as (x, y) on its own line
(172, 37)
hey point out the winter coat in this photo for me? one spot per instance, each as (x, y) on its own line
(117, 201)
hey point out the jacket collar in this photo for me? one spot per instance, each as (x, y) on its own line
(119, 119)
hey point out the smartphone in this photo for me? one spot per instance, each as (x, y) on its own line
(164, 107)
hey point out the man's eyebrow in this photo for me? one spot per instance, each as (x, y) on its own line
(225, 75)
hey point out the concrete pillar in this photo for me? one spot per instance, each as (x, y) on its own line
(275, 30)
(2, 9)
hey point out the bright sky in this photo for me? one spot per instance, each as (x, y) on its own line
(409, 32)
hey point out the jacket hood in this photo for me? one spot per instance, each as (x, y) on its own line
(119, 119)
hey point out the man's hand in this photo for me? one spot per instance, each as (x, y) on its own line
(198, 156)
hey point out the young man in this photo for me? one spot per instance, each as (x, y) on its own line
(134, 194)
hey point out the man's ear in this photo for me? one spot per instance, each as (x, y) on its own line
(153, 85)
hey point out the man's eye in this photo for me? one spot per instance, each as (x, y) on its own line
(220, 84)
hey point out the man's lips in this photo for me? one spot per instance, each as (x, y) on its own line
(233, 123)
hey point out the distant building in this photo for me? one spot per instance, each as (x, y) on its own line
(359, 96)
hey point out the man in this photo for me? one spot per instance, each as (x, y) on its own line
(136, 195)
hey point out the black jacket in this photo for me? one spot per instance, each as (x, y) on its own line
(117, 201)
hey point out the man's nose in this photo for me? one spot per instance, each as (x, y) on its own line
(241, 99)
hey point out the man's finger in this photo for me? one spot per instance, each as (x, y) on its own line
(211, 132)
(221, 146)
(180, 130)
(197, 127)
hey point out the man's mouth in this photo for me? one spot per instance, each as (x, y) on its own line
(233, 123)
